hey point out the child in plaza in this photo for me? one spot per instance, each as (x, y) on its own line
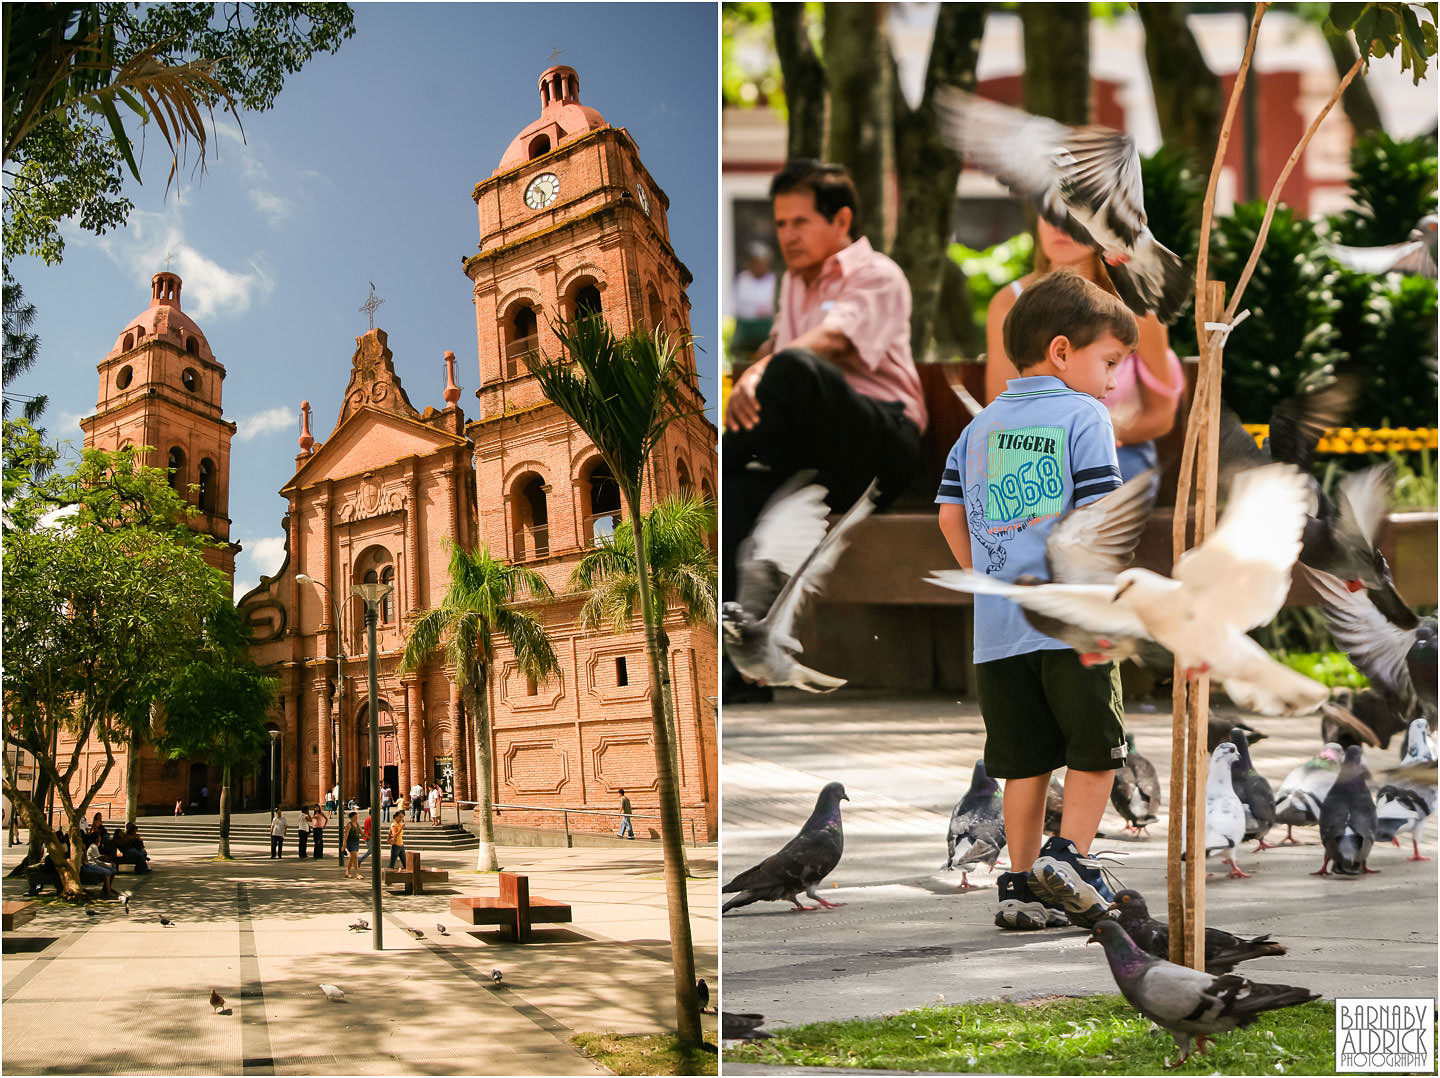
(1042, 447)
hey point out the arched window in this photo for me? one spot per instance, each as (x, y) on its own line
(369, 568)
(532, 517)
(387, 604)
(587, 301)
(655, 311)
(682, 476)
(206, 500)
(539, 145)
(602, 510)
(129, 344)
(522, 335)
(192, 346)
(175, 463)
(190, 379)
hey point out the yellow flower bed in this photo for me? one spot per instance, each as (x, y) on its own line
(1363, 439)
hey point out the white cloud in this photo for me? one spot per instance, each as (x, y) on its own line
(272, 419)
(262, 557)
(275, 208)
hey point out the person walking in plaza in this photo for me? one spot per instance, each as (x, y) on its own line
(352, 846)
(397, 840)
(1040, 449)
(365, 836)
(277, 833)
(318, 820)
(303, 830)
(416, 794)
(627, 829)
(385, 804)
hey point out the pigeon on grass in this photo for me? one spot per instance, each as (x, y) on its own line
(780, 564)
(1298, 801)
(1223, 950)
(1401, 806)
(1135, 792)
(1224, 812)
(1083, 180)
(1253, 789)
(1191, 1005)
(801, 863)
(1348, 820)
(742, 1027)
(977, 827)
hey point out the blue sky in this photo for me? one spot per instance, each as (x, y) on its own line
(362, 172)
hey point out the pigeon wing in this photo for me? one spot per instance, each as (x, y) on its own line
(1376, 645)
(1101, 172)
(1296, 424)
(791, 525)
(1089, 545)
(1020, 150)
(810, 576)
(1091, 606)
(1256, 682)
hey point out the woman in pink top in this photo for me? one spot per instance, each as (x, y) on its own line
(1149, 381)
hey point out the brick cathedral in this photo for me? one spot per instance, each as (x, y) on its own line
(570, 222)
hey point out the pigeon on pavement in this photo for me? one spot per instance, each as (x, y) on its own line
(1187, 1003)
(441, 929)
(333, 993)
(90, 912)
(125, 902)
(217, 1002)
(1347, 819)
(166, 921)
(783, 561)
(416, 933)
(360, 925)
(702, 993)
(742, 1027)
(977, 826)
(1233, 582)
(1298, 801)
(1136, 790)
(1414, 255)
(1220, 723)
(496, 975)
(1083, 180)
(801, 863)
(1054, 806)
(1223, 950)
(1224, 813)
(1253, 789)
(1403, 806)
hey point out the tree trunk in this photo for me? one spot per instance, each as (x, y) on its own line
(682, 951)
(1057, 61)
(132, 778)
(1359, 106)
(485, 857)
(804, 78)
(1188, 97)
(225, 810)
(928, 170)
(857, 57)
(667, 695)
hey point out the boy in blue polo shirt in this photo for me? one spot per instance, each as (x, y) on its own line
(1042, 447)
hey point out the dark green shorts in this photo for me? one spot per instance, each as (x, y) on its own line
(1045, 710)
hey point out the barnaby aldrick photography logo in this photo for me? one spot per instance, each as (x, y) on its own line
(1389, 1036)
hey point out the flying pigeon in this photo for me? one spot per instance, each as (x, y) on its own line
(1188, 1003)
(780, 564)
(1298, 801)
(1233, 582)
(1223, 950)
(217, 1002)
(977, 826)
(702, 993)
(1253, 789)
(496, 975)
(1083, 180)
(333, 993)
(801, 863)
(1220, 723)
(166, 921)
(1340, 723)
(441, 929)
(1415, 255)
(1405, 806)
(742, 1027)
(1136, 789)
(360, 925)
(1224, 813)
(1347, 819)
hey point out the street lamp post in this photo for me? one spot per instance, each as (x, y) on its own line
(274, 745)
(373, 594)
(339, 717)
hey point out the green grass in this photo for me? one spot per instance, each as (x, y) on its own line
(651, 1054)
(1064, 1035)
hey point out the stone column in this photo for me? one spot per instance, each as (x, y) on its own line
(412, 540)
(325, 736)
(416, 708)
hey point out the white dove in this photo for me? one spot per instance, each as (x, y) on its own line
(1234, 581)
(334, 993)
(1084, 180)
(1224, 811)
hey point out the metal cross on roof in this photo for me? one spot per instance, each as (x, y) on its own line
(372, 304)
(554, 54)
(167, 261)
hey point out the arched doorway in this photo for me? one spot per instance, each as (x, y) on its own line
(389, 736)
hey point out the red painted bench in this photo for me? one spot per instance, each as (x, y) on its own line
(514, 911)
(15, 914)
(412, 876)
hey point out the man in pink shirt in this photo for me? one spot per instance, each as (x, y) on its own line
(835, 388)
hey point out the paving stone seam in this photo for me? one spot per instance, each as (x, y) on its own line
(32, 969)
(255, 1055)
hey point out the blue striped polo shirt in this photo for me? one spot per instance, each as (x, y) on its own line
(1038, 450)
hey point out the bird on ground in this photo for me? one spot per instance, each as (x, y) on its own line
(360, 925)
(1220, 723)
(1054, 806)
(1347, 819)
(1341, 721)
(1414, 255)
(333, 993)
(1135, 792)
(1253, 789)
(1405, 806)
(702, 993)
(1223, 950)
(90, 912)
(1298, 801)
(217, 1002)
(1419, 740)
(1189, 1004)
(1224, 812)
(125, 902)
(801, 863)
(742, 1027)
(1083, 180)
(1235, 581)
(780, 564)
(977, 826)
(166, 921)
(416, 933)
(441, 929)
(496, 975)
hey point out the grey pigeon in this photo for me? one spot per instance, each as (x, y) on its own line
(1135, 792)
(781, 563)
(1402, 807)
(217, 1002)
(1054, 806)
(702, 993)
(742, 1027)
(1223, 950)
(801, 863)
(1347, 819)
(1220, 723)
(496, 975)
(1359, 718)
(90, 912)
(166, 921)
(334, 993)
(360, 925)
(416, 933)
(1253, 789)
(1415, 255)
(977, 826)
(441, 929)
(1189, 1004)
(125, 902)
(1224, 814)
(1083, 180)
(1298, 801)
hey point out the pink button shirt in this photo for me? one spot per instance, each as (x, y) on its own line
(864, 295)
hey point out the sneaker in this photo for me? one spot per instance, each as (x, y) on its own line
(1019, 908)
(1061, 875)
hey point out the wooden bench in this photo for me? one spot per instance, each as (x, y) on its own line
(15, 914)
(413, 877)
(514, 911)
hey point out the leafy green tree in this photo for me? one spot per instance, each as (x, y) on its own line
(1392, 182)
(21, 345)
(484, 599)
(624, 392)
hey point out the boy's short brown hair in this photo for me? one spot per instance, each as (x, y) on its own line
(1064, 304)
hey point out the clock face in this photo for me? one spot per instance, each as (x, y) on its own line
(644, 199)
(542, 190)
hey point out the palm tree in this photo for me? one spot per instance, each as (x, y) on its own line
(623, 393)
(481, 602)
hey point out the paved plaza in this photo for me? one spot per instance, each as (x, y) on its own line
(126, 995)
(905, 937)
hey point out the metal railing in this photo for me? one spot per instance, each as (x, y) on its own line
(515, 352)
(532, 541)
(566, 812)
(600, 526)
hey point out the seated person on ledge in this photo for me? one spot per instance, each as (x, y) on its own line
(90, 871)
(130, 849)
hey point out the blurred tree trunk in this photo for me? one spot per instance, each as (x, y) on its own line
(805, 82)
(927, 171)
(1188, 95)
(1057, 60)
(1359, 106)
(857, 59)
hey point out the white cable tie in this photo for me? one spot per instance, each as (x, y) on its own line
(1225, 328)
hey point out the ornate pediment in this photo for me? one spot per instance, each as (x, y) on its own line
(373, 381)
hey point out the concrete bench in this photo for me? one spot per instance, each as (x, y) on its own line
(15, 914)
(515, 910)
(413, 877)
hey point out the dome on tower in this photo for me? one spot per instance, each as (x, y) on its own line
(562, 118)
(164, 320)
